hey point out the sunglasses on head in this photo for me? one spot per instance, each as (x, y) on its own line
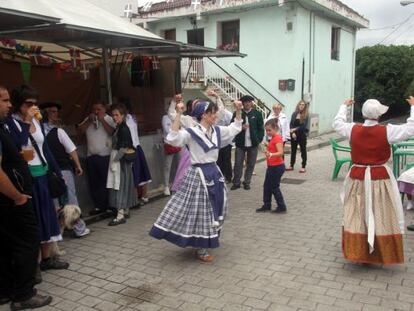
(30, 102)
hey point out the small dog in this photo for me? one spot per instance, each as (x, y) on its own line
(68, 216)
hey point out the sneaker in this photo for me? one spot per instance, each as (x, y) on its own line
(279, 211)
(53, 263)
(409, 205)
(84, 233)
(234, 187)
(167, 191)
(302, 170)
(34, 302)
(263, 209)
(290, 168)
(115, 222)
(410, 227)
(246, 187)
(145, 200)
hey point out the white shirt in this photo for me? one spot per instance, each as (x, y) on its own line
(247, 138)
(39, 138)
(197, 154)
(133, 128)
(64, 139)
(283, 123)
(395, 133)
(98, 140)
(166, 125)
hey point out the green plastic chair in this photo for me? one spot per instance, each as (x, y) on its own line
(339, 161)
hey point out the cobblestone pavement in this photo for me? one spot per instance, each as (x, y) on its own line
(265, 262)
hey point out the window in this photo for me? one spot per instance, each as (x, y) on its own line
(169, 34)
(195, 36)
(230, 36)
(335, 39)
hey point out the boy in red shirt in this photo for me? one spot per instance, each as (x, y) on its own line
(275, 169)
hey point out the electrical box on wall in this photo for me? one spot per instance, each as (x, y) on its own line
(290, 85)
(313, 125)
(282, 85)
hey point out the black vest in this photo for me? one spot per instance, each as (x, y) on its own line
(14, 166)
(58, 150)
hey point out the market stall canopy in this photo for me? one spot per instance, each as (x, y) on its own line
(81, 24)
(15, 19)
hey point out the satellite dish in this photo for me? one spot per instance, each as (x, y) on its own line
(128, 11)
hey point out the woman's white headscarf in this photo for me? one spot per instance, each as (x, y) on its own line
(373, 109)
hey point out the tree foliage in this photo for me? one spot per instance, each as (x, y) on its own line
(385, 73)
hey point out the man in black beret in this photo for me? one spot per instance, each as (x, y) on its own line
(247, 142)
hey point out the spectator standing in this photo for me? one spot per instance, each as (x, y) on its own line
(19, 233)
(122, 193)
(298, 135)
(64, 151)
(224, 117)
(247, 142)
(282, 120)
(99, 128)
(30, 130)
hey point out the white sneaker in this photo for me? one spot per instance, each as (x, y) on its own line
(167, 191)
(85, 232)
(410, 205)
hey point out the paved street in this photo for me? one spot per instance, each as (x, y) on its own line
(265, 262)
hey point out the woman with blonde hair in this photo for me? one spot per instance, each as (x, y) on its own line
(282, 121)
(298, 134)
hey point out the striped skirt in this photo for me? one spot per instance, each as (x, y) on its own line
(388, 244)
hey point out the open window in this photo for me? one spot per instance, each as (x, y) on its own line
(335, 40)
(229, 35)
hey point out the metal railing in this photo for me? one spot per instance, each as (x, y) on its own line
(212, 74)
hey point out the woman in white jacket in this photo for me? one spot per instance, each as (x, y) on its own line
(283, 121)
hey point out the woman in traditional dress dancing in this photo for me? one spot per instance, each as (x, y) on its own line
(194, 215)
(373, 219)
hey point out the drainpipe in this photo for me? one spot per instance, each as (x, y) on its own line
(353, 73)
(303, 76)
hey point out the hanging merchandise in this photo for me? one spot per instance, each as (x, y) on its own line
(26, 71)
(155, 63)
(85, 72)
(75, 58)
(137, 72)
(58, 72)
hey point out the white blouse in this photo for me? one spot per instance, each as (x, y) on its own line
(198, 155)
(395, 133)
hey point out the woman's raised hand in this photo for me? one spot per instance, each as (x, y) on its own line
(180, 107)
(349, 102)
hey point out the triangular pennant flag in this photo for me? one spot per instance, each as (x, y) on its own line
(26, 71)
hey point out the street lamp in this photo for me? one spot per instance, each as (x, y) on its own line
(406, 2)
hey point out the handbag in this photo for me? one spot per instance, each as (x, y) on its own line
(169, 149)
(55, 183)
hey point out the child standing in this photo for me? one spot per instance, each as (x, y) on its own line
(275, 169)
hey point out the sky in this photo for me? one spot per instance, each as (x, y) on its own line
(384, 13)
(398, 20)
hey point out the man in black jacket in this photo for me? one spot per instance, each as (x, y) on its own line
(19, 234)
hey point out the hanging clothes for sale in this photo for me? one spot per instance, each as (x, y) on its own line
(137, 72)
